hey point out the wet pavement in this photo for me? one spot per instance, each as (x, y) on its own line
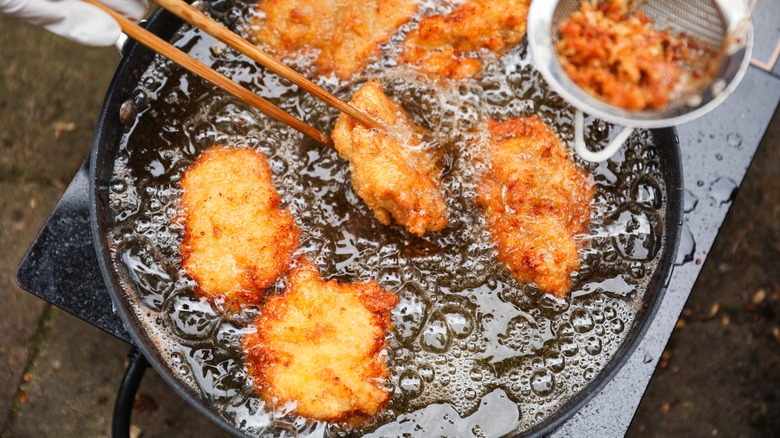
(720, 375)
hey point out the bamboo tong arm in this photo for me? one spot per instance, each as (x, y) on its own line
(162, 47)
(202, 21)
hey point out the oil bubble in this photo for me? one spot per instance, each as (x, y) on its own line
(402, 355)
(426, 372)
(127, 113)
(645, 190)
(593, 345)
(582, 321)
(569, 348)
(118, 186)
(616, 326)
(411, 384)
(637, 270)
(150, 83)
(554, 305)
(436, 335)
(191, 319)
(555, 363)
(598, 315)
(635, 232)
(589, 373)
(565, 329)
(460, 322)
(543, 382)
(408, 315)
(148, 270)
(221, 5)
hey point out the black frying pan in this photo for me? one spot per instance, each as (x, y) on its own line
(104, 153)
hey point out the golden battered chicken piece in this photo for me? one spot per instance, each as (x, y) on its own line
(237, 239)
(535, 201)
(440, 45)
(392, 178)
(321, 345)
(343, 35)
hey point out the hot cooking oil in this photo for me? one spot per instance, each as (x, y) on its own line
(472, 349)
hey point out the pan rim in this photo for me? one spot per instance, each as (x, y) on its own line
(163, 22)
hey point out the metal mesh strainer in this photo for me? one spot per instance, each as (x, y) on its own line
(724, 25)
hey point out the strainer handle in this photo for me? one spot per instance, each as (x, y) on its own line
(602, 155)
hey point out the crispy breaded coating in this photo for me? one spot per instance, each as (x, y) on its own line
(622, 60)
(395, 179)
(237, 238)
(321, 344)
(343, 35)
(535, 201)
(441, 45)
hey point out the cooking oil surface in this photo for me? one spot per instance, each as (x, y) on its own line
(473, 352)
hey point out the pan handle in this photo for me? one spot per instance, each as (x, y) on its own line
(123, 39)
(123, 409)
(602, 155)
(121, 42)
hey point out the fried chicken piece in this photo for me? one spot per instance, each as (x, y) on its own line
(322, 345)
(441, 44)
(237, 238)
(535, 201)
(622, 60)
(342, 35)
(395, 179)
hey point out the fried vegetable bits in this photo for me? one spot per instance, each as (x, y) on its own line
(621, 59)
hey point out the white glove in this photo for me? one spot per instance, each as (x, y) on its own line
(76, 19)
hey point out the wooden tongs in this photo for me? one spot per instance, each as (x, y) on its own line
(203, 22)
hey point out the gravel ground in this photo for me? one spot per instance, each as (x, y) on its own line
(58, 375)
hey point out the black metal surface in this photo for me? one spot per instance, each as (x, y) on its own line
(61, 265)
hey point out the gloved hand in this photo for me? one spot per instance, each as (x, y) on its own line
(76, 19)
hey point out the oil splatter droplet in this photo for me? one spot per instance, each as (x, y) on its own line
(723, 190)
(687, 246)
(690, 201)
(734, 140)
